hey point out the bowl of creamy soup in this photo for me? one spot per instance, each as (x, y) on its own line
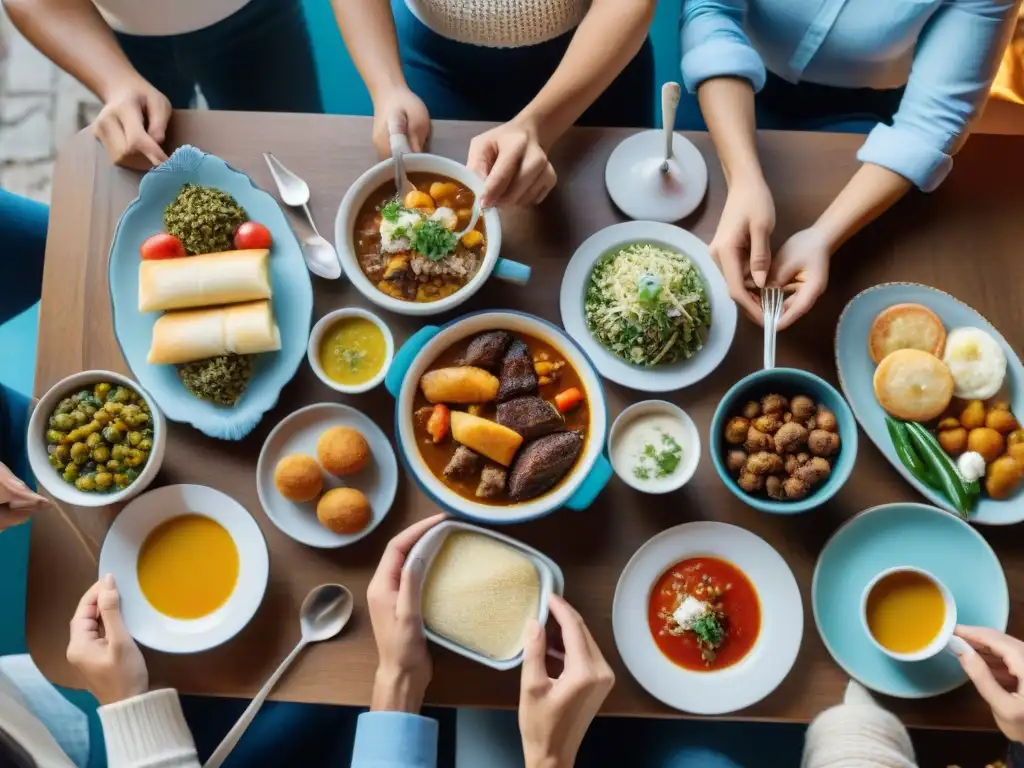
(654, 446)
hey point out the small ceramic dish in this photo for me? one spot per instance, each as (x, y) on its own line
(120, 553)
(786, 382)
(316, 337)
(298, 433)
(656, 378)
(382, 173)
(552, 581)
(48, 477)
(624, 459)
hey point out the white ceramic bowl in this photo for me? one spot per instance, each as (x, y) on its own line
(39, 461)
(691, 446)
(120, 555)
(377, 176)
(552, 581)
(317, 335)
(299, 433)
(576, 491)
(751, 678)
(658, 378)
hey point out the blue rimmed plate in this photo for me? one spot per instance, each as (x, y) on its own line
(292, 295)
(893, 535)
(856, 372)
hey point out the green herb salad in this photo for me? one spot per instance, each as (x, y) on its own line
(648, 305)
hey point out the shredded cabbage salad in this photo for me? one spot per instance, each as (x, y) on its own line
(647, 305)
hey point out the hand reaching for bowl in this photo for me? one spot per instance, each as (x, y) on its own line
(405, 112)
(801, 269)
(404, 667)
(996, 667)
(18, 502)
(554, 714)
(513, 163)
(132, 124)
(101, 648)
(741, 243)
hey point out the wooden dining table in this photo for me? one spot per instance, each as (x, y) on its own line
(966, 238)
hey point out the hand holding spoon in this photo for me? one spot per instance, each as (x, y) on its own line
(324, 613)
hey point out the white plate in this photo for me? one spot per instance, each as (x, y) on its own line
(660, 378)
(754, 676)
(298, 433)
(120, 553)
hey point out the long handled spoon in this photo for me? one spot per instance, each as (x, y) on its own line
(324, 613)
(669, 104)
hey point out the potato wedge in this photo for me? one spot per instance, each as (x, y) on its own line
(486, 437)
(463, 384)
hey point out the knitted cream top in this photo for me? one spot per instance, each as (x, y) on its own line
(500, 23)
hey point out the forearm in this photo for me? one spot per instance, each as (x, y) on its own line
(727, 104)
(395, 691)
(607, 39)
(368, 29)
(75, 37)
(870, 192)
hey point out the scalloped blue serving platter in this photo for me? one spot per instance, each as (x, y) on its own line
(289, 278)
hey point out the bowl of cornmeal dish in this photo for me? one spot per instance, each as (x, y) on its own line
(480, 590)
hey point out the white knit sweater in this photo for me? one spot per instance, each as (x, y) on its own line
(500, 23)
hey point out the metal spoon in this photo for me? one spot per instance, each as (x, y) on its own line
(771, 306)
(399, 147)
(477, 210)
(324, 613)
(669, 103)
(320, 256)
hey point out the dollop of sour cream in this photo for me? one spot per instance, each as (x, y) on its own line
(971, 466)
(689, 612)
(650, 450)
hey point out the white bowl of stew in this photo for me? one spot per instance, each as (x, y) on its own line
(558, 461)
(394, 275)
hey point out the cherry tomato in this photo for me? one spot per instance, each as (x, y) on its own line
(252, 234)
(162, 246)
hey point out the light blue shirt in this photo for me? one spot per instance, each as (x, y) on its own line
(395, 740)
(946, 52)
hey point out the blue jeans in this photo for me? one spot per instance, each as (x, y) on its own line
(781, 105)
(259, 59)
(459, 81)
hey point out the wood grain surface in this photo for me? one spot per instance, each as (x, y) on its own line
(965, 238)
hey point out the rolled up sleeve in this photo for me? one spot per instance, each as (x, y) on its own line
(714, 44)
(395, 740)
(956, 59)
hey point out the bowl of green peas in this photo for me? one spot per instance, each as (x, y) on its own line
(95, 439)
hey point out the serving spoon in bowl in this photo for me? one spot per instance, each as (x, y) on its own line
(324, 613)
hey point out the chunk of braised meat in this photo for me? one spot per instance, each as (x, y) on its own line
(518, 377)
(541, 463)
(486, 350)
(492, 482)
(463, 464)
(530, 416)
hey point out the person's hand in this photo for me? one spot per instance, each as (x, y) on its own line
(17, 501)
(404, 667)
(402, 111)
(995, 665)
(741, 243)
(514, 164)
(554, 714)
(132, 124)
(101, 648)
(800, 268)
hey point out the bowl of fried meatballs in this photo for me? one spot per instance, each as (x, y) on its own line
(783, 440)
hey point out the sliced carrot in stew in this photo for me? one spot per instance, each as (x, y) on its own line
(439, 423)
(567, 400)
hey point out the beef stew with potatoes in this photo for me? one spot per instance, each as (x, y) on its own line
(501, 417)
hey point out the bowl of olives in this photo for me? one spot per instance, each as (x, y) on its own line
(95, 438)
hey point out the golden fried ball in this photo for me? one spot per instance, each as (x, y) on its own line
(758, 441)
(822, 443)
(298, 477)
(763, 463)
(769, 423)
(802, 408)
(790, 438)
(343, 451)
(826, 420)
(751, 410)
(750, 482)
(773, 487)
(814, 471)
(735, 461)
(343, 510)
(736, 430)
(774, 404)
(795, 488)
(989, 443)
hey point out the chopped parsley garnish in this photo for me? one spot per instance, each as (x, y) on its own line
(391, 210)
(709, 631)
(433, 240)
(658, 463)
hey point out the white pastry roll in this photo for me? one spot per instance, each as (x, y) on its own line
(204, 281)
(196, 334)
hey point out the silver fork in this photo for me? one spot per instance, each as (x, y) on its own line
(771, 306)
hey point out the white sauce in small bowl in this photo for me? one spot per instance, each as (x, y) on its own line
(654, 446)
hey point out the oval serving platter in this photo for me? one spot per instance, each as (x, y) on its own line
(856, 372)
(292, 300)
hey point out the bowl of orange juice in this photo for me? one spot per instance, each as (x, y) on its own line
(191, 565)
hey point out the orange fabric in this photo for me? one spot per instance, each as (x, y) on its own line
(1009, 82)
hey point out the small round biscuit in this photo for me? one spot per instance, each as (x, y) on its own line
(344, 510)
(298, 477)
(343, 451)
(906, 326)
(913, 385)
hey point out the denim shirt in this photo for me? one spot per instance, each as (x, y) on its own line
(946, 52)
(395, 740)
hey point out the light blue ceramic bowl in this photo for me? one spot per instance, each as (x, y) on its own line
(856, 374)
(289, 278)
(889, 536)
(787, 382)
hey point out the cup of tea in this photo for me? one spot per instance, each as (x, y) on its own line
(910, 615)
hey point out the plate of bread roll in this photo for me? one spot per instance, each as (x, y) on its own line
(212, 301)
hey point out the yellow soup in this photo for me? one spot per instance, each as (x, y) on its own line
(352, 351)
(905, 611)
(188, 567)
